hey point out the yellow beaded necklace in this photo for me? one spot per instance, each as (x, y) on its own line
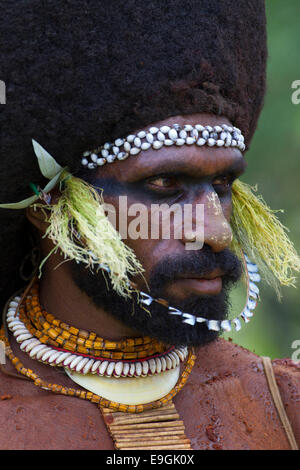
(52, 331)
(47, 329)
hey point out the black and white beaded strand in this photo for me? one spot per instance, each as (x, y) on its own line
(252, 295)
(253, 277)
(156, 138)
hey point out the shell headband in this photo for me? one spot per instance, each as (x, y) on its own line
(156, 138)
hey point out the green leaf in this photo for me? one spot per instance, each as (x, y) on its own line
(48, 166)
(30, 200)
(20, 205)
(52, 183)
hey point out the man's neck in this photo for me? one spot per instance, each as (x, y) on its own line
(61, 297)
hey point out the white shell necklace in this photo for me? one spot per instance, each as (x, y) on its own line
(82, 364)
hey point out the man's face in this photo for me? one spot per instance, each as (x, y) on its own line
(194, 280)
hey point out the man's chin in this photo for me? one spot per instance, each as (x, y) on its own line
(156, 321)
(171, 329)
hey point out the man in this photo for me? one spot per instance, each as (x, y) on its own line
(165, 88)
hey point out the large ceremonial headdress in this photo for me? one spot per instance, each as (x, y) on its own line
(79, 74)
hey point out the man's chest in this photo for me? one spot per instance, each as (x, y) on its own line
(222, 416)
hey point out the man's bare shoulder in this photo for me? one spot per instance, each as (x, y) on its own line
(243, 370)
(229, 381)
(222, 355)
(225, 358)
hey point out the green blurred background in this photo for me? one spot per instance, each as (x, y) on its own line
(274, 164)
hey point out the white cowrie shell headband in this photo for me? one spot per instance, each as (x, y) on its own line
(156, 138)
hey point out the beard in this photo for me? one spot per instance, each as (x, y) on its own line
(155, 321)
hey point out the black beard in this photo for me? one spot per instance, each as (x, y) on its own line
(157, 322)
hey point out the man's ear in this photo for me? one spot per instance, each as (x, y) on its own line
(36, 217)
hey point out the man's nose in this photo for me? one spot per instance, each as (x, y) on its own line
(214, 229)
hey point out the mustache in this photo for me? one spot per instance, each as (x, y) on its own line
(199, 265)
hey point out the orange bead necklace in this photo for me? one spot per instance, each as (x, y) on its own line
(42, 325)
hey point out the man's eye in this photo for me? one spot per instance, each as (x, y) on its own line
(222, 180)
(222, 183)
(163, 182)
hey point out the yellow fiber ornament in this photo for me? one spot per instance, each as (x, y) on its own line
(80, 229)
(259, 233)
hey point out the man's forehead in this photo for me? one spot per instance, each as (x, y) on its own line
(188, 160)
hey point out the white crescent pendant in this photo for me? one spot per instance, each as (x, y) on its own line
(128, 390)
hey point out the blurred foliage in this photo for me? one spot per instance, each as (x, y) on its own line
(274, 164)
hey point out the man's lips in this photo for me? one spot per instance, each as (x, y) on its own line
(208, 284)
(212, 275)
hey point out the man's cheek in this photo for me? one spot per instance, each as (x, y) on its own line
(145, 252)
(227, 207)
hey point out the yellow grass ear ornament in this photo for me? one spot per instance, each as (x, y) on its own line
(80, 229)
(78, 226)
(258, 232)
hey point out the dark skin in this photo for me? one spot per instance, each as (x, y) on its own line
(226, 403)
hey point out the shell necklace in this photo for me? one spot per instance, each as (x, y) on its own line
(141, 384)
